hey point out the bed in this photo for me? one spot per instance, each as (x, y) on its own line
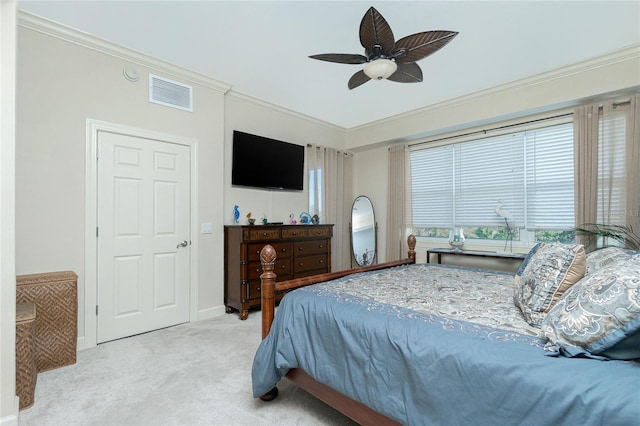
(430, 356)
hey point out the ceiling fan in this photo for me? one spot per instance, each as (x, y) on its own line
(386, 58)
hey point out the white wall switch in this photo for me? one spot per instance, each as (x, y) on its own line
(206, 228)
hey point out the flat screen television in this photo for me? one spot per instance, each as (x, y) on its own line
(261, 162)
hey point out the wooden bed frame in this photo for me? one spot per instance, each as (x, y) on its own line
(355, 410)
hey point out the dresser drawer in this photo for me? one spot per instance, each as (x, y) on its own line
(261, 233)
(282, 250)
(281, 268)
(319, 231)
(294, 232)
(254, 289)
(309, 263)
(303, 248)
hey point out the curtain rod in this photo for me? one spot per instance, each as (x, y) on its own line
(324, 147)
(617, 104)
(479, 132)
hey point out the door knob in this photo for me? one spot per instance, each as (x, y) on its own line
(182, 244)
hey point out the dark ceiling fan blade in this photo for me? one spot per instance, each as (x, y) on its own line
(375, 31)
(407, 73)
(418, 46)
(342, 58)
(358, 79)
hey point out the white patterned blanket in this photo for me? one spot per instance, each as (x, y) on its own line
(474, 295)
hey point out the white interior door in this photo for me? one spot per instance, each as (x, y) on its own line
(143, 254)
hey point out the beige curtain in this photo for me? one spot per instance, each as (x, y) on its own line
(597, 169)
(330, 197)
(585, 135)
(398, 202)
(633, 164)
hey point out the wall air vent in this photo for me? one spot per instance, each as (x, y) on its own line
(170, 93)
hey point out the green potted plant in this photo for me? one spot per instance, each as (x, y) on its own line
(621, 233)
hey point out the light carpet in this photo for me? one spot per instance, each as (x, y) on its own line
(191, 374)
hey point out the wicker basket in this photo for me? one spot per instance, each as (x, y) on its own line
(26, 370)
(55, 295)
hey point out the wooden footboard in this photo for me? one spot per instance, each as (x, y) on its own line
(269, 288)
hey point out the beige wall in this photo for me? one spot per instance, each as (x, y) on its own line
(556, 90)
(370, 179)
(251, 116)
(563, 87)
(67, 78)
(8, 400)
(60, 85)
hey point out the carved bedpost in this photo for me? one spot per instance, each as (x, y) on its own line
(411, 240)
(267, 287)
(267, 299)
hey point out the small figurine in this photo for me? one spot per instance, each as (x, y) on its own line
(264, 220)
(292, 220)
(315, 219)
(305, 217)
(250, 219)
(236, 214)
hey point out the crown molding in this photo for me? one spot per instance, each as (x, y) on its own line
(259, 102)
(629, 53)
(45, 26)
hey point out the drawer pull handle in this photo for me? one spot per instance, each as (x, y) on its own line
(320, 245)
(258, 288)
(284, 250)
(258, 270)
(294, 233)
(300, 264)
(321, 261)
(257, 251)
(264, 234)
(282, 267)
(300, 248)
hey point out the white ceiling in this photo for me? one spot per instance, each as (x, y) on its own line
(261, 48)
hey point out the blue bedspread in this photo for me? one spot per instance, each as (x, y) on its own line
(419, 367)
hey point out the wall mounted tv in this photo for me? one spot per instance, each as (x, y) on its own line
(261, 162)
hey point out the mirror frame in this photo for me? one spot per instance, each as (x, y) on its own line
(354, 259)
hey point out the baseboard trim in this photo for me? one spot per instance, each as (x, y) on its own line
(203, 314)
(209, 313)
(80, 344)
(12, 419)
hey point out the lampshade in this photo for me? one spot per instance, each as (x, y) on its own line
(380, 68)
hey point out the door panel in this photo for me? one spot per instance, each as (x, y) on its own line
(143, 217)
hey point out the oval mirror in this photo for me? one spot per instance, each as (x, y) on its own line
(363, 231)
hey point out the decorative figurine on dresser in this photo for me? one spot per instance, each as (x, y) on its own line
(302, 250)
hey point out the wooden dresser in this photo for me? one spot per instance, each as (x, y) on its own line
(302, 250)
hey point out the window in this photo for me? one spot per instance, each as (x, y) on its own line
(315, 190)
(528, 173)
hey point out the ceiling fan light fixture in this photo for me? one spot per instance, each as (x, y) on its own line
(379, 69)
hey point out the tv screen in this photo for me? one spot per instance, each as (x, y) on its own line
(261, 162)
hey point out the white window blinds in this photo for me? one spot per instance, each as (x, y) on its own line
(550, 176)
(530, 173)
(432, 187)
(487, 172)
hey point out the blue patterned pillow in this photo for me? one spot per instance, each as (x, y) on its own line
(550, 272)
(604, 257)
(597, 313)
(526, 261)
